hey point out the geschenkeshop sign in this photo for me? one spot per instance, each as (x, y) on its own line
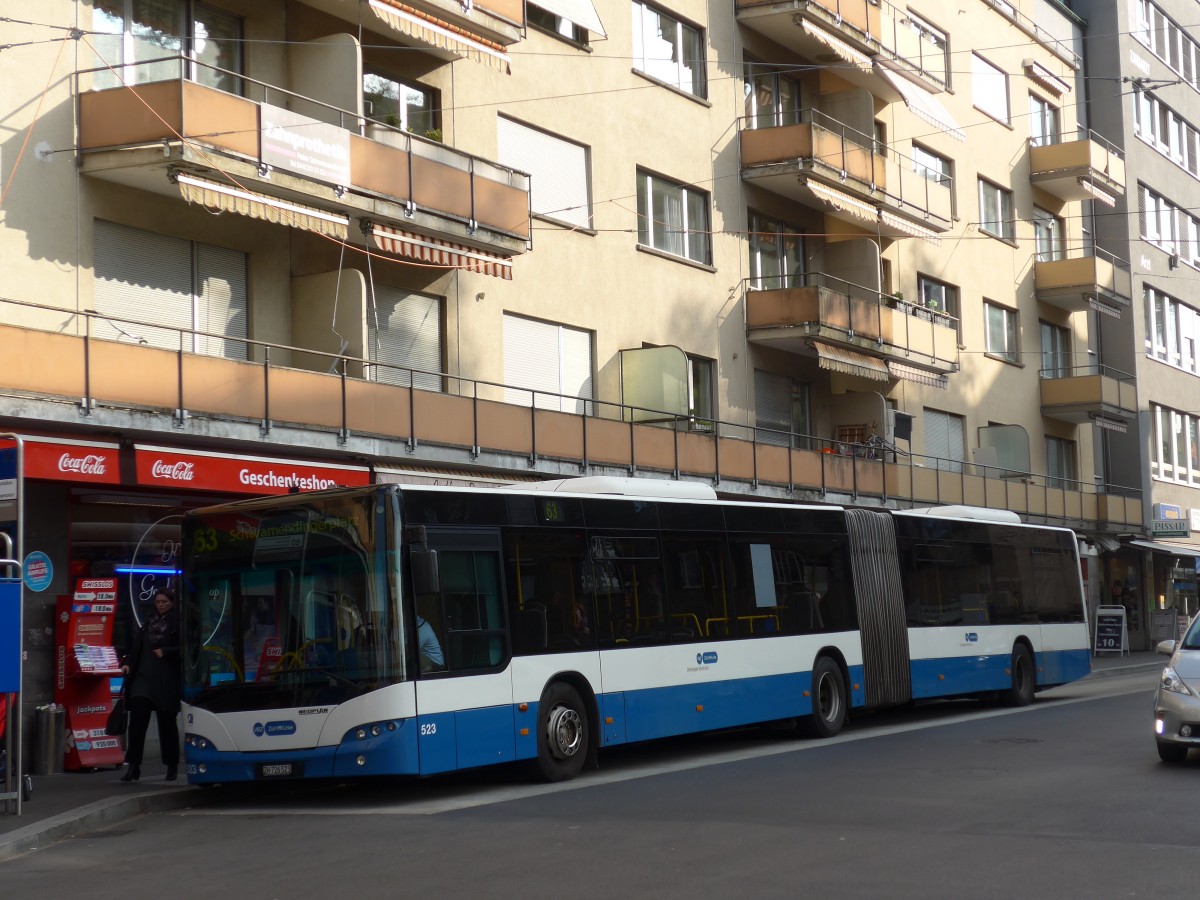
(195, 470)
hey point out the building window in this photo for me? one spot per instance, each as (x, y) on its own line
(701, 396)
(668, 50)
(1043, 122)
(408, 106)
(941, 296)
(937, 168)
(1172, 329)
(1167, 226)
(1060, 464)
(776, 254)
(1047, 235)
(772, 98)
(782, 410)
(552, 23)
(932, 49)
(404, 335)
(184, 286)
(547, 365)
(561, 185)
(1056, 350)
(995, 211)
(1167, 40)
(989, 88)
(1176, 445)
(130, 33)
(944, 440)
(1001, 331)
(673, 218)
(1166, 131)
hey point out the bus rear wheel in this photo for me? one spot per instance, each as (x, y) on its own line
(828, 699)
(563, 736)
(1024, 679)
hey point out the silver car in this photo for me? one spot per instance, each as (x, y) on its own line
(1177, 700)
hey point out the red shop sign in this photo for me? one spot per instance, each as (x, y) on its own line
(91, 462)
(164, 467)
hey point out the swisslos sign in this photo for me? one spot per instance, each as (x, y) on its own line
(193, 470)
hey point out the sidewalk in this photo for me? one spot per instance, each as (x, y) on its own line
(77, 802)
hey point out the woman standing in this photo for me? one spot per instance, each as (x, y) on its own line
(152, 670)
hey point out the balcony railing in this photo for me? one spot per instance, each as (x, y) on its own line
(785, 311)
(1083, 167)
(850, 162)
(103, 380)
(1081, 278)
(1094, 392)
(475, 198)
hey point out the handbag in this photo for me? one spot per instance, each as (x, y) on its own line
(118, 719)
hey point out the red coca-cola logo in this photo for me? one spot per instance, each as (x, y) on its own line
(91, 464)
(177, 471)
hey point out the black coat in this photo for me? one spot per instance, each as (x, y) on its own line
(156, 678)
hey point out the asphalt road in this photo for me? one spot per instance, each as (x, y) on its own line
(1063, 799)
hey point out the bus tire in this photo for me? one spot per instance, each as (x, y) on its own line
(828, 699)
(1024, 678)
(563, 736)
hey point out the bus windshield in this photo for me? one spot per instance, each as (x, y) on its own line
(290, 602)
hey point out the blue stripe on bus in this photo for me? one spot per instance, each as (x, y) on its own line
(959, 675)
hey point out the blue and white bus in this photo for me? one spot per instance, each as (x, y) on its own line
(416, 630)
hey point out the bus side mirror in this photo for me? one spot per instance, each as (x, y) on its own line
(424, 571)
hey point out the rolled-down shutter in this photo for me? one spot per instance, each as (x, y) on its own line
(551, 361)
(141, 276)
(405, 330)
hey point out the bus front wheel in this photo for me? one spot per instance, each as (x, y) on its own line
(562, 733)
(828, 699)
(1024, 679)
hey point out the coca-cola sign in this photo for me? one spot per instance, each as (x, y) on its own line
(173, 471)
(89, 464)
(87, 461)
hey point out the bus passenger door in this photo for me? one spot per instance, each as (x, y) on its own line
(465, 715)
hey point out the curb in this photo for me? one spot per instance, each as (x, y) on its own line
(1132, 669)
(99, 814)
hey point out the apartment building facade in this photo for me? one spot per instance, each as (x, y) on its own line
(1145, 96)
(813, 251)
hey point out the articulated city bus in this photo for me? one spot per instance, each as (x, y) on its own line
(415, 630)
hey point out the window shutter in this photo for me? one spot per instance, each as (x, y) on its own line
(546, 357)
(772, 407)
(141, 276)
(576, 375)
(221, 307)
(559, 169)
(408, 335)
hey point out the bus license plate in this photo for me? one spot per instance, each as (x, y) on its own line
(280, 770)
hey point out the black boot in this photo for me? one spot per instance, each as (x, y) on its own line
(172, 771)
(133, 773)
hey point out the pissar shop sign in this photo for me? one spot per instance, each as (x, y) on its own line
(241, 474)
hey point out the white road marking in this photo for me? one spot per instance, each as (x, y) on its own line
(476, 796)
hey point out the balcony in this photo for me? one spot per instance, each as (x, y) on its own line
(815, 312)
(243, 155)
(1091, 393)
(858, 32)
(821, 162)
(1089, 168)
(497, 21)
(1087, 279)
(73, 380)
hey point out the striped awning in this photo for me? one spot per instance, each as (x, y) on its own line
(849, 362)
(917, 376)
(836, 44)
(1097, 193)
(440, 34)
(923, 104)
(440, 253)
(1047, 79)
(912, 228)
(844, 202)
(230, 198)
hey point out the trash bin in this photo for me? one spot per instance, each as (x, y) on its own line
(49, 739)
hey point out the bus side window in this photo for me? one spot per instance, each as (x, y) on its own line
(696, 589)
